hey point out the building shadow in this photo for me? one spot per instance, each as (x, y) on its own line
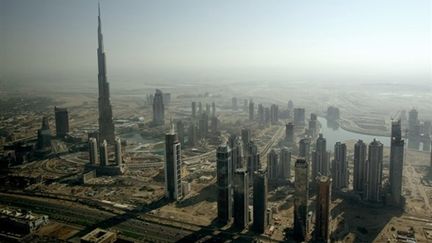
(214, 232)
(208, 193)
(364, 220)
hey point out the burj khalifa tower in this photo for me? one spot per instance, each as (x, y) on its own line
(106, 125)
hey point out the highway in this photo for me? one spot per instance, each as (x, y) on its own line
(77, 214)
(138, 225)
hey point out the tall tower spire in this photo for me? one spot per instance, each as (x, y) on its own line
(106, 125)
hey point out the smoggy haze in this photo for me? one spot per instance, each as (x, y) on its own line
(367, 41)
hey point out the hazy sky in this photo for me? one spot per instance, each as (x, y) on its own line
(303, 40)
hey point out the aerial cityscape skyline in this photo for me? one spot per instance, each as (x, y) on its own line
(217, 159)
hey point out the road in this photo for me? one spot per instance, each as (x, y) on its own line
(139, 225)
(77, 214)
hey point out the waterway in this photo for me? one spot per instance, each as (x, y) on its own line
(333, 134)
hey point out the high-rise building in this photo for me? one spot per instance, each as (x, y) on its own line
(396, 162)
(118, 152)
(340, 167)
(200, 109)
(207, 109)
(267, 116)
(261, 118)
(214, 125)
(241, 198)
(322, 214)
(285, 164)
(246, 136)
(173, 167)
(374, 171)
(274, 114)
(93, 151)
(360, 169)
(252, 159)
(158, 108)
(194, 109)
(304, 149)
(62, 121)
(289, 133)
(251, 110)
(43, 144)
(224, 183)
(413, 129)
(313, 125)
(213, 109)
(245, 105)
(299, 117)
(273, 165)
(103, 151)
(203, 125)
(320, 158)
(290, 105)
(193, 134)
(260, 201)
(412, 119)
(106, 125)
(301, 197)
(237, 152)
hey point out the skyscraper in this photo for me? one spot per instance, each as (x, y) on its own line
(193, 134)
(93, 151)
(396, 162)
(322, 213)
(285, 164)
(301, 196)
(214, 125)
(374, 171)
(246, 136)
(106, 125)
(62, 121)
(173, 166)
(274, 113)
(289, 133)
(158, 108)
(241, 198)
(251, 110)
(200, 109)
(273, 165)
(252, 159)
(313, 125)
(203, 125)
(118, 152)
(237, 152)
(413, 129)
(304, 149)
(43, 144)
(299, 117)
(360, 169)
(194, 109)
(103, 151)
(320, 157)
(261, 118)
(224, 183)
(340, 167)
(213, 109)
(260, 201)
